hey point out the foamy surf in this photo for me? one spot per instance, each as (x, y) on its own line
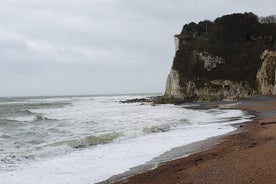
(89, 139)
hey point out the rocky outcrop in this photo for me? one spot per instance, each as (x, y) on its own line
(173, 89)
(214, 90)
(266, 76)
(209, 62)
(232, 57)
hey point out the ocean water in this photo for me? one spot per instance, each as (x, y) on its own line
(88, 139)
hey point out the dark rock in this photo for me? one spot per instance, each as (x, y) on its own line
(220, 60)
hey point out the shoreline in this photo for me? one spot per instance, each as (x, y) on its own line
(214, 159)
(173, 154)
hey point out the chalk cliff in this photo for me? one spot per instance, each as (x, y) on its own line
(232, 57)
(266, 76)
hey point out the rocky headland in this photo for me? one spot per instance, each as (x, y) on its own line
(229, 58)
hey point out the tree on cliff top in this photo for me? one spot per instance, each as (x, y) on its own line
(268, 20)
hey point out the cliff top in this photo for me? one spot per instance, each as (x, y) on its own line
(237, 39)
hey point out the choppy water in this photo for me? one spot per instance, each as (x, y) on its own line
(88, 139)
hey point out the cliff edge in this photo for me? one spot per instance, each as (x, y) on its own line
(232, 57)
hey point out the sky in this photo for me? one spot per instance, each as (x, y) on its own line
(66, 47)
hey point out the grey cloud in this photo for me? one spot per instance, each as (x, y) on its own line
(60, 47)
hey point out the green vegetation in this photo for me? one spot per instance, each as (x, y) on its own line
(238, 38)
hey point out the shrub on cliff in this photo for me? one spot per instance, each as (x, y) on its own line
(238, 38)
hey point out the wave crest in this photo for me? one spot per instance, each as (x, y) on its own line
(93, 140)
(156, 129)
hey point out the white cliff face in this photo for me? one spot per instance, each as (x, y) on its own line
(176, 43)
(173, 90)
(266, 76)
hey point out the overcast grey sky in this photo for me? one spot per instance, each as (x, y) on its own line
(63, 47)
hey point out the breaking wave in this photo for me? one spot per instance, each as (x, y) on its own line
(164, 128)
(89, 140)
(156, 129)
(66, 146)
(41, 118)
(58, 148)
(27, 112)
(85, 142)
(30, 119)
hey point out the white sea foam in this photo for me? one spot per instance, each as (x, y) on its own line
(113, 137)
(22, 118)
(101, 162)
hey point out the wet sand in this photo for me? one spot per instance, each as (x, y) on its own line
(248, 155)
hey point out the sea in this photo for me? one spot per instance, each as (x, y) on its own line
(88, 139)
